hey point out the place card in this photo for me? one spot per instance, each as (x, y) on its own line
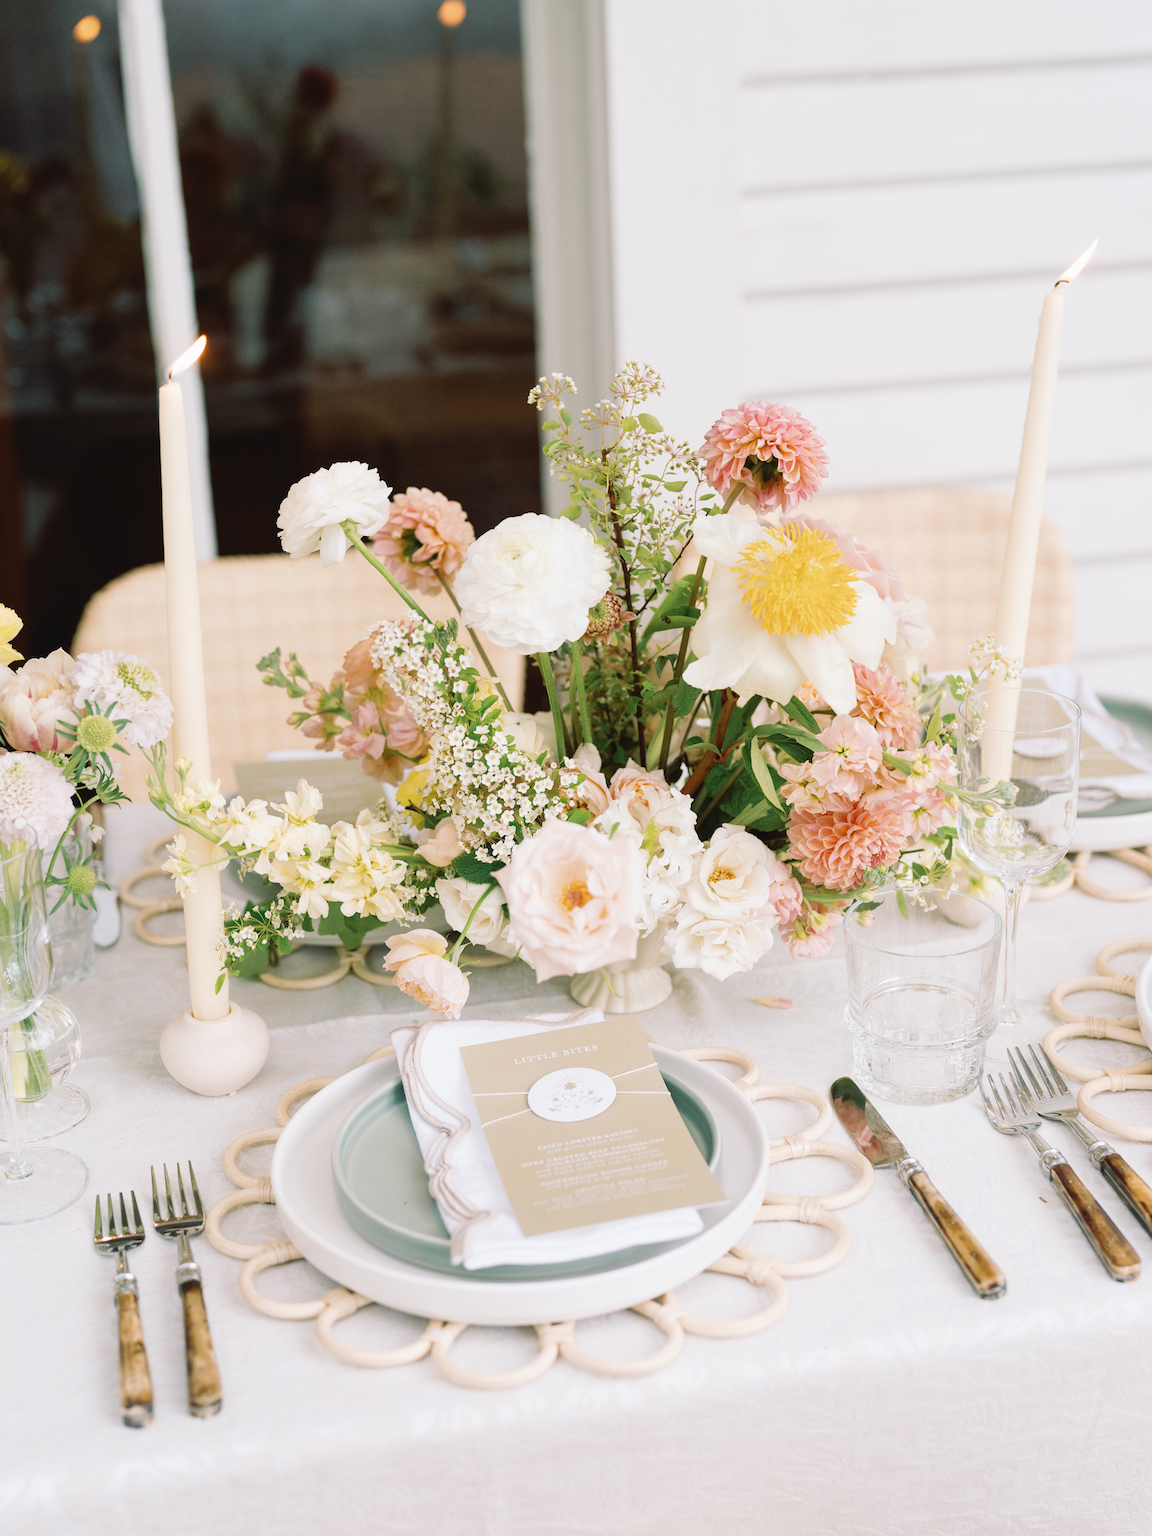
(582, 1127)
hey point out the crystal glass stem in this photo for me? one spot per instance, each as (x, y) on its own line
(1009, 1012)
(17, 1163)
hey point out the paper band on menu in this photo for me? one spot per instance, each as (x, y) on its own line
(583, 1129)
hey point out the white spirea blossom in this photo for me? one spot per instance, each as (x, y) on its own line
(315, 507)
(127, 689)
(35, 800)
(495, 792)
(530, 582)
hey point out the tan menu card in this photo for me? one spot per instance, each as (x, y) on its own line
(582, 1127)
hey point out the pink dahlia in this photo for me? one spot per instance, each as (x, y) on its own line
(837, 849)
(884, 701)
(772, 450)
(426, 537)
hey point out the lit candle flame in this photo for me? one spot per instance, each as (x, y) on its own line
(186, 359)
(1078, 265)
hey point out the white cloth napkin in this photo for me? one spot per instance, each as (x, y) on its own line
(473, 1177)
(1113, 735)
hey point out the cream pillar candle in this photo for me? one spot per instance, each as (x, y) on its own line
(1015, 599)
(203, 908)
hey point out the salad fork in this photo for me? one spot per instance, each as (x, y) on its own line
(1014, 1117)
(135, 1377)
(1055, 1101)
(205, 1396)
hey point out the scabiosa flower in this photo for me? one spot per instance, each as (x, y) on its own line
(35, 800)
(837, 849)
(127, 689)
(426, 537)
(530, 582)
(774, 451)
(311, 514)
(886, 703)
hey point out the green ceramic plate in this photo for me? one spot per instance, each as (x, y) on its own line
(382, 1188)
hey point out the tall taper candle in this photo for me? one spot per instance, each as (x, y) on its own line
(203, 908)
(1015, 600)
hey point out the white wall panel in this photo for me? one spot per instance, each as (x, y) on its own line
(797, 242)
(858, 208)
(982, 330)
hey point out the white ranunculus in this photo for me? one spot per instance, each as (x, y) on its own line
(489, 925)
(313, 510)
(530, 582)
(716, 946)
(734, 879)
(735, 648)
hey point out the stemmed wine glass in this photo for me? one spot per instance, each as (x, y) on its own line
(1030, 738)
(42, 1181)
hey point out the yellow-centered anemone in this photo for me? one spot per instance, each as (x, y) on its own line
(795, 582)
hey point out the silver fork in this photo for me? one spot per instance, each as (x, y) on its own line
(135, 1377)
(205, 1396)
(1014, 1118)
(1056, 1101)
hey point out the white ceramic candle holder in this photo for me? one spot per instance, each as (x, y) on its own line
(215, 1056)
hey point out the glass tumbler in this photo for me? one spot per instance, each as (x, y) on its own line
(921, 993)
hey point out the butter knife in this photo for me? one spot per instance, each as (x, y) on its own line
(884, 1149)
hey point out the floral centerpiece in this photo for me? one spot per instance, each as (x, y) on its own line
(61, 720)
(738, 744)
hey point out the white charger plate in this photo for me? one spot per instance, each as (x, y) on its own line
(306, 1204)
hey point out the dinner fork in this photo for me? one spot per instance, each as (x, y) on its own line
(1019, 1118)
(1056, 1101)
(204, 1393)
(135, 1377)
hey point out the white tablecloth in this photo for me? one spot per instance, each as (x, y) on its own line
(887, 1400)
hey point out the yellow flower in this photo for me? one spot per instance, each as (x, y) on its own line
(10, 624)
(412, 788)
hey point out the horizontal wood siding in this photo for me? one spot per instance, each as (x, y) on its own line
(888, 196)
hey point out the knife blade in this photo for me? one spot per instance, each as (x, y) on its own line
(884, 1149)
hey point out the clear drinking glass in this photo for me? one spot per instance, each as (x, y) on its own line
(1030, 737)
(921, 994)
(36, 1183)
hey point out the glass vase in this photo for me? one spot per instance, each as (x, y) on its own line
(73, 951)
(39, 1182)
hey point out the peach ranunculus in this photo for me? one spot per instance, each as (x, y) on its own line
(35, 700)
(592, 790)
(444, 844)
(573, 897)
(419, 961)
(648, 797)
(426, 537)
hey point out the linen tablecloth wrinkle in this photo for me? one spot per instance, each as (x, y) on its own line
(887, 1400)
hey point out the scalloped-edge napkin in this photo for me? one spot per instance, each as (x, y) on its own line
(469, 1193)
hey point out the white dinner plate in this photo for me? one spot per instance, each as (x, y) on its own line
(306, 1203)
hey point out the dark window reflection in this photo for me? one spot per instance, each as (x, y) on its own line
(355, 183)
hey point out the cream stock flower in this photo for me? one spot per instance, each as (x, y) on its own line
(489, 924)
(311, 514)
(364, 877)
(530, 582)
(418, 959)
(783, 609)
(573, 897)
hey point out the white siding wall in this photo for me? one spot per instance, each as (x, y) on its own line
(857, 208)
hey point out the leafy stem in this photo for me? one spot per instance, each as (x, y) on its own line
(544, 661)
(626, 578)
